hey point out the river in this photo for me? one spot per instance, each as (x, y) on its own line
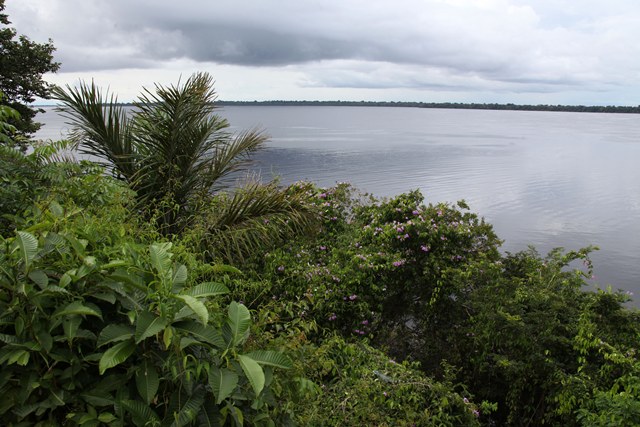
(547, 179)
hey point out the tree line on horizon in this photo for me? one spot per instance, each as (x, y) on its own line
(447, 105)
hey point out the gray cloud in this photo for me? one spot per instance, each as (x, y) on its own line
(501, 44)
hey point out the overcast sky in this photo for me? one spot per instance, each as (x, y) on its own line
(520, 51)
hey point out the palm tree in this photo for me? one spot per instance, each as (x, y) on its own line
(175, 152)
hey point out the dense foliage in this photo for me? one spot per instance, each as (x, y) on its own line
(22, 65)
(387, 312)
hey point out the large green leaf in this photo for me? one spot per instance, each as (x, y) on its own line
(160, 257)
(70, 325)
(238, 323)
(116, 355)
(207, 289)
(77, 307)
(197, 306)
(253, 371)
(78, 245)
(148, 325)
(207, 334)
(114, 333)
(179, 276)
(222, 381)
(147, 381)
(271, 358)
(28, 245)
(184, 411)
(141, 413)
(40, 278)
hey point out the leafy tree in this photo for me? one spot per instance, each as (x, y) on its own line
(22, 64)
(175, 153)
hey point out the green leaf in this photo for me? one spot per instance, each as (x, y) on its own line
(40, 278)
(207, 289)
(116, 355)
(97, 397)
(238, 323)
(141, 414)
(28, 245)
(18, 356)
(148, 325)
(147, 381)
(179, 276)
(197, 306)
(77, 307)
(45, 339)
(77, 245)
(113, 264)
(225, 268)
(8, 339)
(189, 410)
(222, 381)
(271, 358)
(106, 417)
(70, 326)
(253, 371)
(114, 333)
(160, 256)
(207, 334)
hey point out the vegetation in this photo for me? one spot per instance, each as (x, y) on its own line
(451, 105)
(22, 65)
(174, 152)
(143, 290)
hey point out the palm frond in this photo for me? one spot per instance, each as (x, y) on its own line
(255, 217)
(100, 126)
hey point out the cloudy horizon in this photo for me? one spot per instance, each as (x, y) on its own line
(505, 51)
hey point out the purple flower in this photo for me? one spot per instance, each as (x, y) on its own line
(416, 212)
(476, 413)
(365, 322)
(323, 248)
(398, 263)
(424, 248)
(322, 195)
(353, 297)
(281, 268)
(333, 317)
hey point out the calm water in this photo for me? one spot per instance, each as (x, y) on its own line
(541, 178)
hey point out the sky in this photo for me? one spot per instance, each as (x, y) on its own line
(568, 52)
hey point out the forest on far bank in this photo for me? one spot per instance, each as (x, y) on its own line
(448, 105)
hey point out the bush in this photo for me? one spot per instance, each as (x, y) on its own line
(99, 328)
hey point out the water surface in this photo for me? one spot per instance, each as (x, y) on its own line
(546, 179)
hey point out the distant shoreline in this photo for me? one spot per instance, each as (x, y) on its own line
(441, 105)
(445, 105)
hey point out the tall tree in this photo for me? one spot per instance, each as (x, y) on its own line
(175, 152)
(22, 65)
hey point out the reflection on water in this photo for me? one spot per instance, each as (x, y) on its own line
(542, 178)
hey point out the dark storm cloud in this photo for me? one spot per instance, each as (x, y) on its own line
(512, 45)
